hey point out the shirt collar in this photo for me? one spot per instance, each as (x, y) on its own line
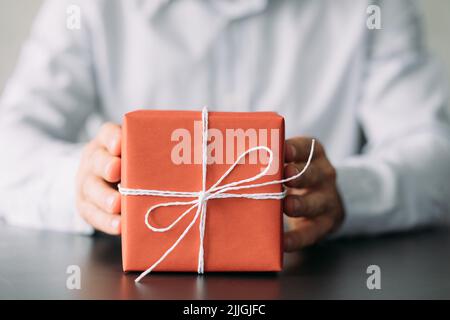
(151, 7)
(233, 9)
(236, 9)
(193, 25)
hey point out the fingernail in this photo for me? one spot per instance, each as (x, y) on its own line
(296, 204)
(293, 151)
(287, 243)
(111, 201)
(115, 223)
(115, 140)
(112, 144)
(108, 170)
(293, 170)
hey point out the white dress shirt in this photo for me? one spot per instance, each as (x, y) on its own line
(374, 98)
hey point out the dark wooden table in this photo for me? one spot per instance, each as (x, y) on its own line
(33, 265)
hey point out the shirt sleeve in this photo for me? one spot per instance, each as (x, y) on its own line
(401, 181)
(42, 111)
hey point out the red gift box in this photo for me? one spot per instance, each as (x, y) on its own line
(162, 151)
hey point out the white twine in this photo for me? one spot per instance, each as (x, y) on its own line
(202, 197)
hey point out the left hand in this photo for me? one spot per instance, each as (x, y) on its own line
(313, 200)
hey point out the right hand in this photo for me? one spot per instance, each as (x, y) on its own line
(97, 199)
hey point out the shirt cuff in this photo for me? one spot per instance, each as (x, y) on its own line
(63, 195)
(368, 192)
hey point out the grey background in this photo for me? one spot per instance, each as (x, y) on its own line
(16, 17)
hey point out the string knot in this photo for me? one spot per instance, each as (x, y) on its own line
(203, 197)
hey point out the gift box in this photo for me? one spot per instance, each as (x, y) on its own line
(163, 151)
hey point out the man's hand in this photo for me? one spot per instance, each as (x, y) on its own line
(98, 201)
(313, 200)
